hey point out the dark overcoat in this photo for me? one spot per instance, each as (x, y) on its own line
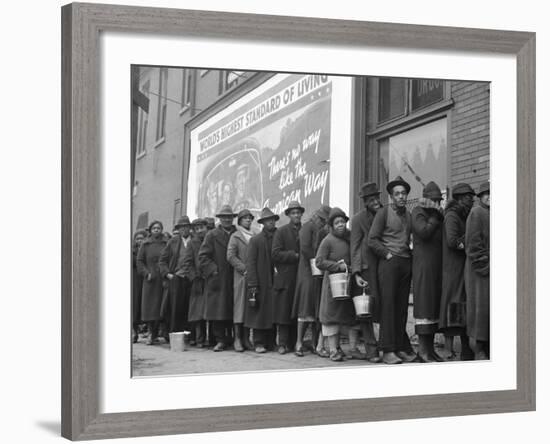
(148, 264)
(306, 297)
(476, 274)
(452, 313)
(197, 305)
(285, 254)
(218, 274)
(168, 261)
(333, 249)
(137, 288)
(259, 272)
(427, 224)
(363, 259)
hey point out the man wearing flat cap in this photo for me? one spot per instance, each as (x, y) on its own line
(172, 270)
(237, 251)
(452, 313)
(196, 294)
(218, 275)
(307, 296)
(476, 273)
(364, 263)
(286, 255)
(259, 314)
(389, 238)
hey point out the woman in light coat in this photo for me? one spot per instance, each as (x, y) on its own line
(237, 250)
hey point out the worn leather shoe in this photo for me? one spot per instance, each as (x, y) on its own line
(407, 356)
(391, 358)
(260, 349)
(220, 346)
(357, 354)
(282, 350)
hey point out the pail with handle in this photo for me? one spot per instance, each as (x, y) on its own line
(339, 284)
(179, 341)
(314, 270)
(364, 305)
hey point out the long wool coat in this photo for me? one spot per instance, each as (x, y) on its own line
(307, 295)
(197, 299)
(137, 288)
(218, 274)
(331, 250)
(259, 274)
(285, 254)
(236, 255)
(452, 314)
(476, 273)
(427, 226)
(363, 259)
(148, 263)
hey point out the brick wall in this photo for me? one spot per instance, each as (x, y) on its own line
(470, 129)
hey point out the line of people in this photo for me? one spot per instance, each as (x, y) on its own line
(231, 285)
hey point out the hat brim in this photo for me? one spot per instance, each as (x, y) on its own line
(182, 225)
(395, 183)
(481, 193)
(275, 216)
(234, 215)
(288, 210)
(363, 195)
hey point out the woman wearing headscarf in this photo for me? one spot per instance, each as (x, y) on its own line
(237, 250)
(137, 284)
(334, 256)
(427, 224)
(148, 266)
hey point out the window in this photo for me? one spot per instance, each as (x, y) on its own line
(186, 87)
(425, 92)
(229, 79)
(162, 105)
(143, 122)
(391, 98)
(142, 221)
(418, 155)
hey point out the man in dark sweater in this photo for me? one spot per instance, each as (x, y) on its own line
(389, 238)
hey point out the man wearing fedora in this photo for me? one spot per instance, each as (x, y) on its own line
(389, 238)
(237, 251)
(452, 313)
(218, 274)
(307, 296)
(476, 273)
(286, 255)
(196, 294)
(259, 276)
(172, 270)
(364, 263)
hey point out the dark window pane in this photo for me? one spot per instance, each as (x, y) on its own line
(391, 93)
(426, 92)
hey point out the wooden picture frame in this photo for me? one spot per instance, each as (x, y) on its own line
(81, 167)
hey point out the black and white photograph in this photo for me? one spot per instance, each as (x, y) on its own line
(285, 221)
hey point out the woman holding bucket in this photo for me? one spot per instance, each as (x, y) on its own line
(333, 257)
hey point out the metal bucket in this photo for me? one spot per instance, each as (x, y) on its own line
(179, 341)
(314, 270)
(364, 305)
(339, 285)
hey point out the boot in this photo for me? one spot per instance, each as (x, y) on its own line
(391, 358)
(237, 344)
(246, 339)
(466, 353)
(425, 344)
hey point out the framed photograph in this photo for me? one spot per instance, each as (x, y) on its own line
(219, 170)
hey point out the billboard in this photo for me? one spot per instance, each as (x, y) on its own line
(270, 147)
